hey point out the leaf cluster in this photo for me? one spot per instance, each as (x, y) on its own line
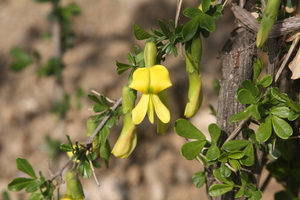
(38, 186)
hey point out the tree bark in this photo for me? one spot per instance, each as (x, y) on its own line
(237, 57)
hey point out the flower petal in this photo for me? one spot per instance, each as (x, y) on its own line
(141, 80)
(151, 110)
(161, 110)
(140, 110)
(159, 79)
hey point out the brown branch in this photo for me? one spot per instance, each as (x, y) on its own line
(280, 27)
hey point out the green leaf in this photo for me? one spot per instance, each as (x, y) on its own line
(235, 164)
(192, 149)
(236, 154)
(99, 108)
(96, 164)
(66, 147)
(36, 196)
(216, 86)
(18, 184)
(275, 93)
(248, 159)
(34, 186)
(235, 145)
(219, 189)
(105, 152)
(225, 171)
(213, 152)
(104, 132)
(274, 152)
(185, 129)
(256, 195)
(139, 33)
(111, 122)
(240, 193)
(257, 68)
(255, 111)
(71, 10)
(248, 85)
(264, 131)
(293, 116)
(94, 98)
(92, 156)
(205, 4)
(244, 178)
(24, 166)
(266, 81)
(163, 27)
(207, 22)
(241, 115)
(191, 12)
(21, 59)
(85, 169)
(214, 132)
(121, 67)
(281, 127)
(130, 58)
(218, 175)
(190, 28)
(244, 96)
(223, 157)
(282, 112)
(199, 179)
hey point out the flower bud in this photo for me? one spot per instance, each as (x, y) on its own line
(74, 187)
(128, 137)
(267, 22)
(195, 95)
(150, 53)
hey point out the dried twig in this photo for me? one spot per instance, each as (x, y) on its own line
(280, 28)
(287, 57)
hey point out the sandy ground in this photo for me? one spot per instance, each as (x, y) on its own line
(155, 170)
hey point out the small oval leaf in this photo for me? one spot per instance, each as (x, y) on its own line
(219, 189)
(192, 149)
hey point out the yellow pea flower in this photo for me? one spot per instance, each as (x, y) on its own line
(150, 81)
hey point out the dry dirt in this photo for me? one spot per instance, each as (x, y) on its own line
(155, 170)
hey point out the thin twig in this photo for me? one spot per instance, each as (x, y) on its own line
(179, 3)
(108, 99)
(288, 55)
(93, 171)
(59, 172)
(100, 126)
(231, 168)
(237, 129)
(89, 141)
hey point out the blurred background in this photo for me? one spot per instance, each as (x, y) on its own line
(103, 34)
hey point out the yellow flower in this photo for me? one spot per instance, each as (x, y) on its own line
(150, 81)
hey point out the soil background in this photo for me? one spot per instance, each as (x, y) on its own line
(104, 34)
